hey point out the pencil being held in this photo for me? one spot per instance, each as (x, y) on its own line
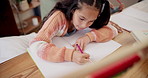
(79, 48)
(83, 53)
(82, 42)
(80, 58)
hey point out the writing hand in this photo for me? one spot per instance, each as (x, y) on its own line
(82, 42)
(80, 58)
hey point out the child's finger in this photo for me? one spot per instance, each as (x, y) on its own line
(75, 47)
(82, 46)
(78, 43)
(86, 56)
(85, 61)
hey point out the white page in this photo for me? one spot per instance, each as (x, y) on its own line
(129, 23)
(137, 14)
(140, 36)
(13, 46)
(93, 47)
(142, 6)
(60, 42)
(56, 70)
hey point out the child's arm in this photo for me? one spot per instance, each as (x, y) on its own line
(42, 44)
(45, 49)
(50, 52)
(103, 34)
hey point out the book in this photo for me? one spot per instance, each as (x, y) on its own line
(129, 23)
(97, 52)
(139, 35)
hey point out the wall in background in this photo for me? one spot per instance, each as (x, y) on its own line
(46, 6)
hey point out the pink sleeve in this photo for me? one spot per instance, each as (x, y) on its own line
(101, 35)
(50, 52)
(47, 50)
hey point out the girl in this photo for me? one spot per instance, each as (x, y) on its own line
(67, 17)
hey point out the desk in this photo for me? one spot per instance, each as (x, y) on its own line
(23, 66)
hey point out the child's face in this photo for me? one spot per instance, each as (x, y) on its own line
(84, 17)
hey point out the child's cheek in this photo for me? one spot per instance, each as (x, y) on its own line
(78, 22)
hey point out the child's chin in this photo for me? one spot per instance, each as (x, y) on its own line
(79, 28)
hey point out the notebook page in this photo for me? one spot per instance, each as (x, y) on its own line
(60, 42)
(98, 51)
(56, 70)
(129, 23)
(95, 50)
(140, 36)
(136, 14)
(142, 6)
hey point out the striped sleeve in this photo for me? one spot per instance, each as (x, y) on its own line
(42, 43)
(103, 34)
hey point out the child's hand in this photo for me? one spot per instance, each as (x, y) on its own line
(80, 58)
(82, 42)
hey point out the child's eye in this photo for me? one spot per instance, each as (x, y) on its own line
(91, 21)
(82, 19)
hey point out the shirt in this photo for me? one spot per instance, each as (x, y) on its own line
(57, 25)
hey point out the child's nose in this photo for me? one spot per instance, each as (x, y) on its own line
(85, 24)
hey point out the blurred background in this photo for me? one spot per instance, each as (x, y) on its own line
(19, 17)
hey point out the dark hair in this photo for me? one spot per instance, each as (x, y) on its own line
(104, 16)
(68, 6)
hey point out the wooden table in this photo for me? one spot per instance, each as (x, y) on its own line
(23, 66)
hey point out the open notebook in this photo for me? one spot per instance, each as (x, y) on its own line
(140, 36)
(97, 52)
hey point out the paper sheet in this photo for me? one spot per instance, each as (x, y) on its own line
(134, 17)
(140, 36)
(137, 14)
(128, 22)
(97, 51)
(13, 46)
(142, 6)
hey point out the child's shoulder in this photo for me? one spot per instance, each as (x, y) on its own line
(58, 13)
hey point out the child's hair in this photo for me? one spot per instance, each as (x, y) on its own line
(69, 6)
